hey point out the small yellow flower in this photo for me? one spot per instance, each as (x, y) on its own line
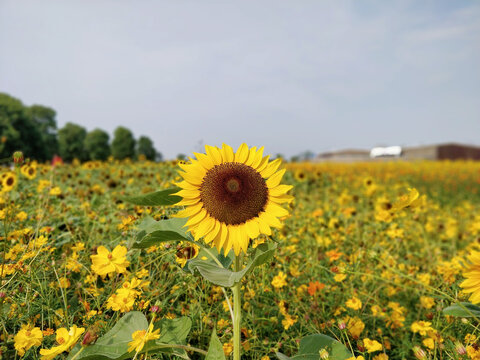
(141, 337)
(106, 262)
(372, 345)
(66, 339)
(279, 281)
(26, 338)
(354, 303)
(429, 343)
(427, 302)
(288, 321)
(421, 327)
(55, 191)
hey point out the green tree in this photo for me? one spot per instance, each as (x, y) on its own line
(96, 145)
(123, 144)
(145, 147)
(18, 131)
(44, 117)
(71, 140)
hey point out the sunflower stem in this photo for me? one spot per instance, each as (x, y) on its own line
(237, 312)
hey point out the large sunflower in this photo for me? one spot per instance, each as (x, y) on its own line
(472, 282)
(230, 197)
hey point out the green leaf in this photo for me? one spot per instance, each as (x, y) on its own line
(215, 349)
(211, 271)
(157, 198)
(311, 345)
(153, 232)
(174, 331)
(114, 344)
(463, 309)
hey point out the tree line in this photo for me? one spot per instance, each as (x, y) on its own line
(33, 130)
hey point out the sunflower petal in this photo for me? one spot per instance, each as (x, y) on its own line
(205, 226)
(214, 154)
(242, 153)
(271, 168)
(196, 219)
(251, 156)
(252, 228)
(227, 153)
(275, 179)
(258, 158)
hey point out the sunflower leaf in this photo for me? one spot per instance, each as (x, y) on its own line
(153, 232)
(311, 345)
(114, 344)
(156, 198)
(211, 271)
(463, 309)
(215, 349)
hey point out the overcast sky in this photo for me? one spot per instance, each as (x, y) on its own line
(289, 75)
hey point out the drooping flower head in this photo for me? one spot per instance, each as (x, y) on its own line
(230, 197)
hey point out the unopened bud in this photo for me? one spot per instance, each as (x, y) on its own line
(2, 294)
(460, 348)
(419, 353)
(323, 354)
(154, 309)
(342, 325)
(90, 337)
(18, 158)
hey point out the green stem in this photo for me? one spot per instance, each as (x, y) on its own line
(237, 314)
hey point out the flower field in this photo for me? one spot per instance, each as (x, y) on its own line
(369, 254)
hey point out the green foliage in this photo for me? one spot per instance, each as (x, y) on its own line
(221, 276)
(44, 118)
(157, 198)
(96, 145)
(33, 130)
(215, 349)
(310, 347)
(123, 144)
(153, 232)
(145, 147)
(463, 309)
(70, 142)
(114, 344)
(18, 131)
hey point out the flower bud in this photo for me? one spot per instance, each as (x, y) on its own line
(419, 353)
(460, 348)
(90, 337)
(323, 354)
(18, 158)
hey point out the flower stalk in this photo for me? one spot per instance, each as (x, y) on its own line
(237, 313)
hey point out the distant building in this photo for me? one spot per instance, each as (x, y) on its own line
(450, 151)
(442, 152)
(389, 151)
(349, 155)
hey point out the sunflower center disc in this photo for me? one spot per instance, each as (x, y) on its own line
(233, 193)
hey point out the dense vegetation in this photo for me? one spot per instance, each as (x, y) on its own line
(33, 130)
(351, 262)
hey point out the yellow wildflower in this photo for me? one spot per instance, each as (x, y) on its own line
(141, 337)
(66, 339)
(421, 327)
(372, 345)
(279, 280)
(354, 303)
(106, 262)
(27, 337)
